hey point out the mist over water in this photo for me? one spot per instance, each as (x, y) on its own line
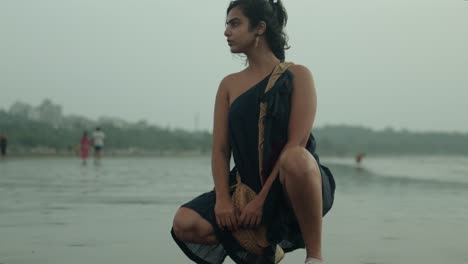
(392, 210)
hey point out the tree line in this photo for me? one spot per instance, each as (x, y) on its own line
(45, 129)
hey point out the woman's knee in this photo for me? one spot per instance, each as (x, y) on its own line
(184, 223)
(298, 163)
(189, 226)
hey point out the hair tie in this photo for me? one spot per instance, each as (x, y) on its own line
(273, 4)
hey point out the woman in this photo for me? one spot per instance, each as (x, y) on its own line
(293, 189)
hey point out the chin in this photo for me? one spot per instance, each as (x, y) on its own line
(235, 51)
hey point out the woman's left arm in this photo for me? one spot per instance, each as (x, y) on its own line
(301, 119)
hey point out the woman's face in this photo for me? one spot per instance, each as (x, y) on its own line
(237, 32)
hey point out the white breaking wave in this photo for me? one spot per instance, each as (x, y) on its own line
(438, 168)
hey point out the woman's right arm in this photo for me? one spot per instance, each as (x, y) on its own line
(220, 157)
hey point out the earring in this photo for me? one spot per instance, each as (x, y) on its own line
(256, 41)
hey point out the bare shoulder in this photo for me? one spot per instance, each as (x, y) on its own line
(231, 78)
(302, 78)
(229, 81)
(300, 71)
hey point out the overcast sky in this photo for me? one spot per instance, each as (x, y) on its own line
(376, 63)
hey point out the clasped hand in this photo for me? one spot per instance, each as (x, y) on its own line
(228, 218)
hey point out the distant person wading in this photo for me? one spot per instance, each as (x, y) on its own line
(3, 145)
(98, 143)
(85, 142)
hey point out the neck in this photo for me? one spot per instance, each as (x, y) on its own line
(261, 60)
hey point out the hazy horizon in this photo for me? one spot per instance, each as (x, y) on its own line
(209, 129)
(376, 64)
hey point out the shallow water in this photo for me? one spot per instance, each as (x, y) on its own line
(392, 210)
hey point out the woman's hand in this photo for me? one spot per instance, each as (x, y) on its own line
(226, 216)
(251, 215)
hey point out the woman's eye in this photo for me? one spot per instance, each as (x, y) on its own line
(232, 24)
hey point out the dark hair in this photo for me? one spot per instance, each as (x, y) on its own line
(273, 14)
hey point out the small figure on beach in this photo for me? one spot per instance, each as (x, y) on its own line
(85, 143)
(3, 145)
(263, 117)
(98, 143)
(358, 158)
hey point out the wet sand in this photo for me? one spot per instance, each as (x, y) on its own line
(57, 211)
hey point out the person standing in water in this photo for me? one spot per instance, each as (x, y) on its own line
(358, 158)
(3, 145)
(269, 136)
(98, 143)
(85, 142)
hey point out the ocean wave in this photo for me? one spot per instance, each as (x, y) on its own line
(439, 169)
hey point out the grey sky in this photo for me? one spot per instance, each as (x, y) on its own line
(376, 63)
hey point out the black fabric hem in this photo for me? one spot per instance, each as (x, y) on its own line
(187, 251)
(224, 238)
(232, 243)
(198, 260)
